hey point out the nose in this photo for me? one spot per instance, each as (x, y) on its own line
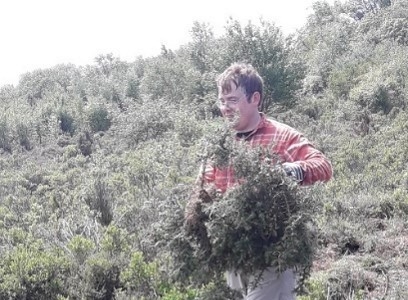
(225, 109)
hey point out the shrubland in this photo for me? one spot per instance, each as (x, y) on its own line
(95, 160)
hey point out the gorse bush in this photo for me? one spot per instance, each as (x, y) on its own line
(23, 134)
(102, 278)
(100, 200)
(5, 138)
(66, 122)
(81, 248)
(378, 93)
(141, 277)
(30, 272)
(99, 119)
(264, 221)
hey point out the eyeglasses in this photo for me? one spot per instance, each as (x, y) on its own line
(229, 102)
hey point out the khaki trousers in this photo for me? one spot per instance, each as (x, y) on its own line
(269, 286)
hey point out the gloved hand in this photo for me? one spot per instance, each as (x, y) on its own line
(294, 170)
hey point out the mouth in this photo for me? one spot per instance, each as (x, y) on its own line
(231, 116)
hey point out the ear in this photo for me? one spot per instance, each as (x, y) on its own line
(256, 98)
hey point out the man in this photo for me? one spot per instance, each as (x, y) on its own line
(240, 96)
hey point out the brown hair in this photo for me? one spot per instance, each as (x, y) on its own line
(242, 75)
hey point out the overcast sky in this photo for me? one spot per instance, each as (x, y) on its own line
(42, 33)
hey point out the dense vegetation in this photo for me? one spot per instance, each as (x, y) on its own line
(94, 158)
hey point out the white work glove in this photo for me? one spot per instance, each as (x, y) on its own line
(294, 170)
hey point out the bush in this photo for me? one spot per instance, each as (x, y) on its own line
(99, 120)
(316, 290)
(132, 89)
(145, 122)
(30, 272)
(66, 122)
(102, 278)
(100, 200)
(350, 279)
(85, 142)
(348, 69)
(23, 136)
(377, 94)
(141, 277)
(81, 247)
(5, 138)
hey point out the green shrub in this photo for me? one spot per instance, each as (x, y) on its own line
(312, 84)
(70, 151)
(141, 277)
(145, 122)
(5, 138)
(85, 142)
(132, 89)
(176, 294)
(66, 122)
(377, 95)
(115, 241)
(100, 200)
(30, 272)
(101, 278)
(99, 119)
(315, 290)
(347, 279)
(81, 248)
(23, 136)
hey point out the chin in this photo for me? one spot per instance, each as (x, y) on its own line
(236, 127)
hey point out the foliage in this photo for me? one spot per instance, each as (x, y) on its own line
(5, 141)
(23, 135)
(141, 276)
(99, 119)
(97, 162)
(102, 278)
(66, 122)
(264, 221)
(30, 272)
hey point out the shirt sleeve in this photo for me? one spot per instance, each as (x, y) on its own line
(212, 178)
(314, 163)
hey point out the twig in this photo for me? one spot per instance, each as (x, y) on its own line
(203, 166)
(386, 284)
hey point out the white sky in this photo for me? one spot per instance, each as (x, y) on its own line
(42, 33)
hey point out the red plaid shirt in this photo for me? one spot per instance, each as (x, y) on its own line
(288, 144)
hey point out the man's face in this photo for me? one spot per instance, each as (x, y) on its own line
(236, 109)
